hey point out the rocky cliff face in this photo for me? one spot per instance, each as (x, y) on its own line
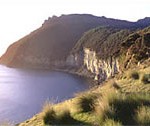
(130, 49)
(99, 69)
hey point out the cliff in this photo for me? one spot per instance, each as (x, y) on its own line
(103, 52)
(51, 43)
(72, 42)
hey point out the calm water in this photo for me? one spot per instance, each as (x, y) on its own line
(23, 92)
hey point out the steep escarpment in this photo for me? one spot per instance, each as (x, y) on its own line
(95, 52)
(135, 49)
(105, 51)
(100, 53)
(49, 45)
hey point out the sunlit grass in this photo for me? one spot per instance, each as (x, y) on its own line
(143, 115)
(111, 122)
(85, 102)
(123, 101)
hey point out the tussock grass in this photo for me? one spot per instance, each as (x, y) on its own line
(47, 106)
(50, 117)
(120, 107)
(111, 122)
(120, 101)
(85, 103)
(125, 107)
(63, 118)
(143, 115)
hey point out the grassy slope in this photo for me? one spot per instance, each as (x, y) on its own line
(122, 100)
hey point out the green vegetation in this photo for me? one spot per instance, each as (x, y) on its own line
(110, 122)
(120, 101)
(104, 40)
(85, 102)
(64, 118)
(143, 115)
(123, 108)
(50, 117)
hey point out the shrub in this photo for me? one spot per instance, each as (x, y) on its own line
(146, 78)
(143, 115)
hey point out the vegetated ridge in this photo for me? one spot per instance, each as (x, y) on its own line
(49, 45)
(120, 100)
(116, 54)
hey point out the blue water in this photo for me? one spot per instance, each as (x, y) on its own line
(23, 92)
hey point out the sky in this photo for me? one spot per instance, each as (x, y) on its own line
(20, 17)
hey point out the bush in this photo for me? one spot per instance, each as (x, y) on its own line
(146, 78)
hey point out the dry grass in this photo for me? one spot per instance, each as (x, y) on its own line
(118, 102)
(111, 122)
(143, 115)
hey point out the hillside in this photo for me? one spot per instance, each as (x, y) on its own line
(114, 53)
(105, 41)
(49, 45)
(123, 98)
(105, 51)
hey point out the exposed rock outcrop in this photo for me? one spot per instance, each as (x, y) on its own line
(129, 50)
(99, 69)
